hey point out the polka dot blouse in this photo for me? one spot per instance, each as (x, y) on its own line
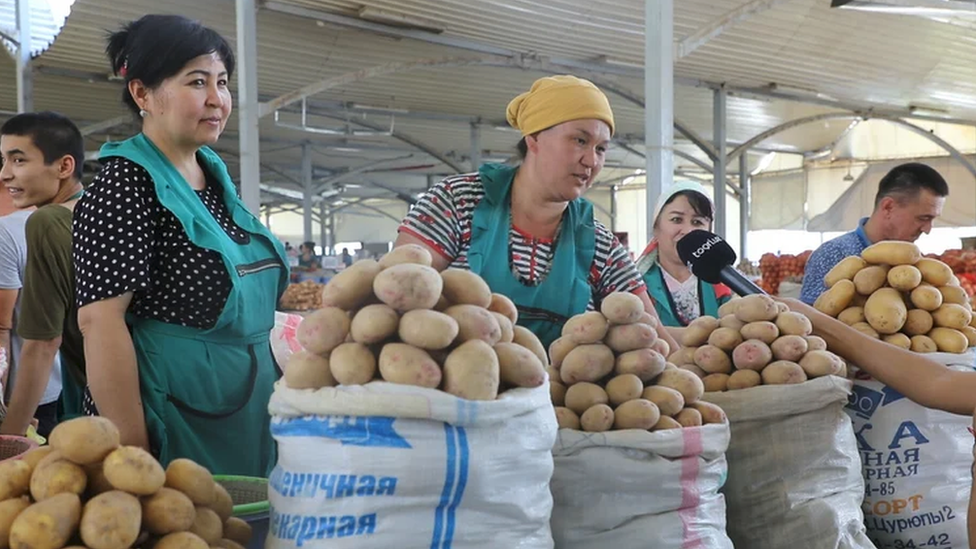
(126, 241)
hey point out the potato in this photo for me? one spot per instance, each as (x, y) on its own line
(756, 308)
(934, 272)
(636, 414)
(697, 333)
(744, 379)
(374, 323)
(48, 524)
(713, 360)
(852, 315)
(557, 392)
(815, 343)
(586, 328)
(821, 363)
(442, 304)
(426, 329)
(782, 307)
(948, 340)
(689, 417)
(518, 366)
(870, 279)
(351, 287)
(474, 323)
(507, 328)
(904, 278)
(952, 315)
(836, 299)
(629, 337)
(587, 363)
(866, 329)
(85, 440)
(406, 253)
(954, 294)
(688, 384)
(192, 479)
(463, 287)
(970, 334)
(308, 371)
(845, 270)
(927, 297)
(646, 364)
(859, 300)
(167, 511)
(899, 340)
(32, 458)
(790, 348)
(695, 369)
(597, 419)
(407, 286)
(15, 478)
(352, 364)
(684, 355)
(558, 350)
(181, 540)
(524, 337)
(665, 423)
(408, 365)
(923, 344)
(710, 412)
(710, 323)
(112, 521)
(729, 307)
(764, 331)
(885, 311)
(918, 322)
(583, 396)
(504, 306)
(472, 371)
(567, 419)
(55, 475)
(668, 400)
(725, 339)
(623, 388)
(661, 347)
(783, 372)
(731, 322)
(892, 252)
(752, 355)
(622, 308)
(323, 330)
(207, 525)
(9, 510)
(790, 323)
(716, 383)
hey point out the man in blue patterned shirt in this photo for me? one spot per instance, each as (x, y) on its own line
(909, 199)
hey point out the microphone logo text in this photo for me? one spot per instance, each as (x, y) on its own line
(705, 247)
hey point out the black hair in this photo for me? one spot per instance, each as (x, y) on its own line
(157, 47)
(54, 134)
(522, 148)
(699, 203)
(907, 181)
(309, 245)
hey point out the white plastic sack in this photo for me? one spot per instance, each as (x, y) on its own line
(639, 489)
(284, 337)
(385, 465)
(794, 470)
(916, 464)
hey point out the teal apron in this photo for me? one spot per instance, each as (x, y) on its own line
(205, 392)
(657, 288)
(566, 291)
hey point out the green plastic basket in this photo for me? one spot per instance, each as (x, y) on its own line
(249, 494)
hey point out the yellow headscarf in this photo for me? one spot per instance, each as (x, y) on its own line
(556, 99)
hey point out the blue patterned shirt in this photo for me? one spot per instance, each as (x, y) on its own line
(828, 255)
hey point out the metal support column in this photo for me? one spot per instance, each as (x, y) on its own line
(613, 208)
(431, 180)
(307, 191)
(745, 196)
(658, 100)
(267, 217)
(323, 230)
(718, 177)
(25, 78)
(332, 234)
(248, 103)
(475, 146)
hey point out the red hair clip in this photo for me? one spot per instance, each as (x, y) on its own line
(124, 69)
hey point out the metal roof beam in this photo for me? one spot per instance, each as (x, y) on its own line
(105, 125)
(720, 24)
(325, 184)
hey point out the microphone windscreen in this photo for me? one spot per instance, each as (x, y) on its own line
(706, 254)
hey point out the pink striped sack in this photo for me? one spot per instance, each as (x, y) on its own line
(640, 489)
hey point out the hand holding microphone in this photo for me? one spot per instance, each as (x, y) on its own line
(711, 259)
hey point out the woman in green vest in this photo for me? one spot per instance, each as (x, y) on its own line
(526, 229)
(678, 295)
(177, 281)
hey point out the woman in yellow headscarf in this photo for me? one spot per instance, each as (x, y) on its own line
(525, 229)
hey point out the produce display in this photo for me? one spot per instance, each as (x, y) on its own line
(304, 296)
(775, 269)
(399, 320)
(755, 342)
(892, 293)
(85, 490)
(609, 373)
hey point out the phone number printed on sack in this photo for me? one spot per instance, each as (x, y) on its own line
(330, 486)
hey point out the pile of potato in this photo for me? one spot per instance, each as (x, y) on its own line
(893, 293)
(85, 490)
(304, 296)
(401, 321)
(757, 341)
(609, 373)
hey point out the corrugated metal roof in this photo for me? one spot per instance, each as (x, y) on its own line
(47, 19)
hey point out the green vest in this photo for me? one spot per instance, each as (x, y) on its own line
(708, 302)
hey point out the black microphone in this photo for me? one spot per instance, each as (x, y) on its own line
(711, 259)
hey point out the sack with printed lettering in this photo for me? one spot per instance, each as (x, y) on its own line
(284, 337)
(794, 477)
(916, 464)
(384, 465)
